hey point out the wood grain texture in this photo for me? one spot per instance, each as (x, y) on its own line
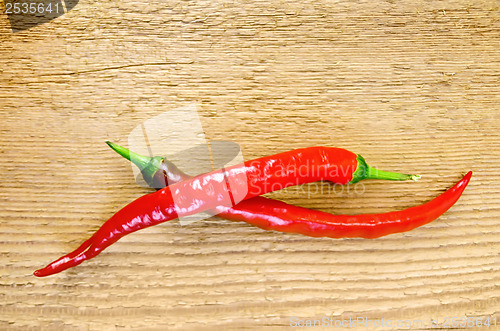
(414, 86)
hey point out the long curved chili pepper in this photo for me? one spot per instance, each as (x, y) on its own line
(280, 216)
(276, 215)
(221, 188)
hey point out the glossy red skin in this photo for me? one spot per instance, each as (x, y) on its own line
(220, 188)
(279, 216)
(276, 215)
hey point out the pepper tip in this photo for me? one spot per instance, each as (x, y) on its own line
(38, 273)
(468, 175)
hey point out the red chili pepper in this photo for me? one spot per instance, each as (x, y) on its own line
(270, 214)
(276, 215)
(350, 168)
(220, 188)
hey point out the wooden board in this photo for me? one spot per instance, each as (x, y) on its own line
(414, 86)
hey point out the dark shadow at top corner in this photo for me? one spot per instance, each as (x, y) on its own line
(30, 13)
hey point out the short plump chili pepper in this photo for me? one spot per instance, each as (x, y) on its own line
(159, 172)
(216, 189)
(279, 216)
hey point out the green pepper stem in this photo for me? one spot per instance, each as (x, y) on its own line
(146, 164)
(140, 161)
(364, 171)
(374, 173)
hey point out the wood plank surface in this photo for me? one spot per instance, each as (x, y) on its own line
(413, 86)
